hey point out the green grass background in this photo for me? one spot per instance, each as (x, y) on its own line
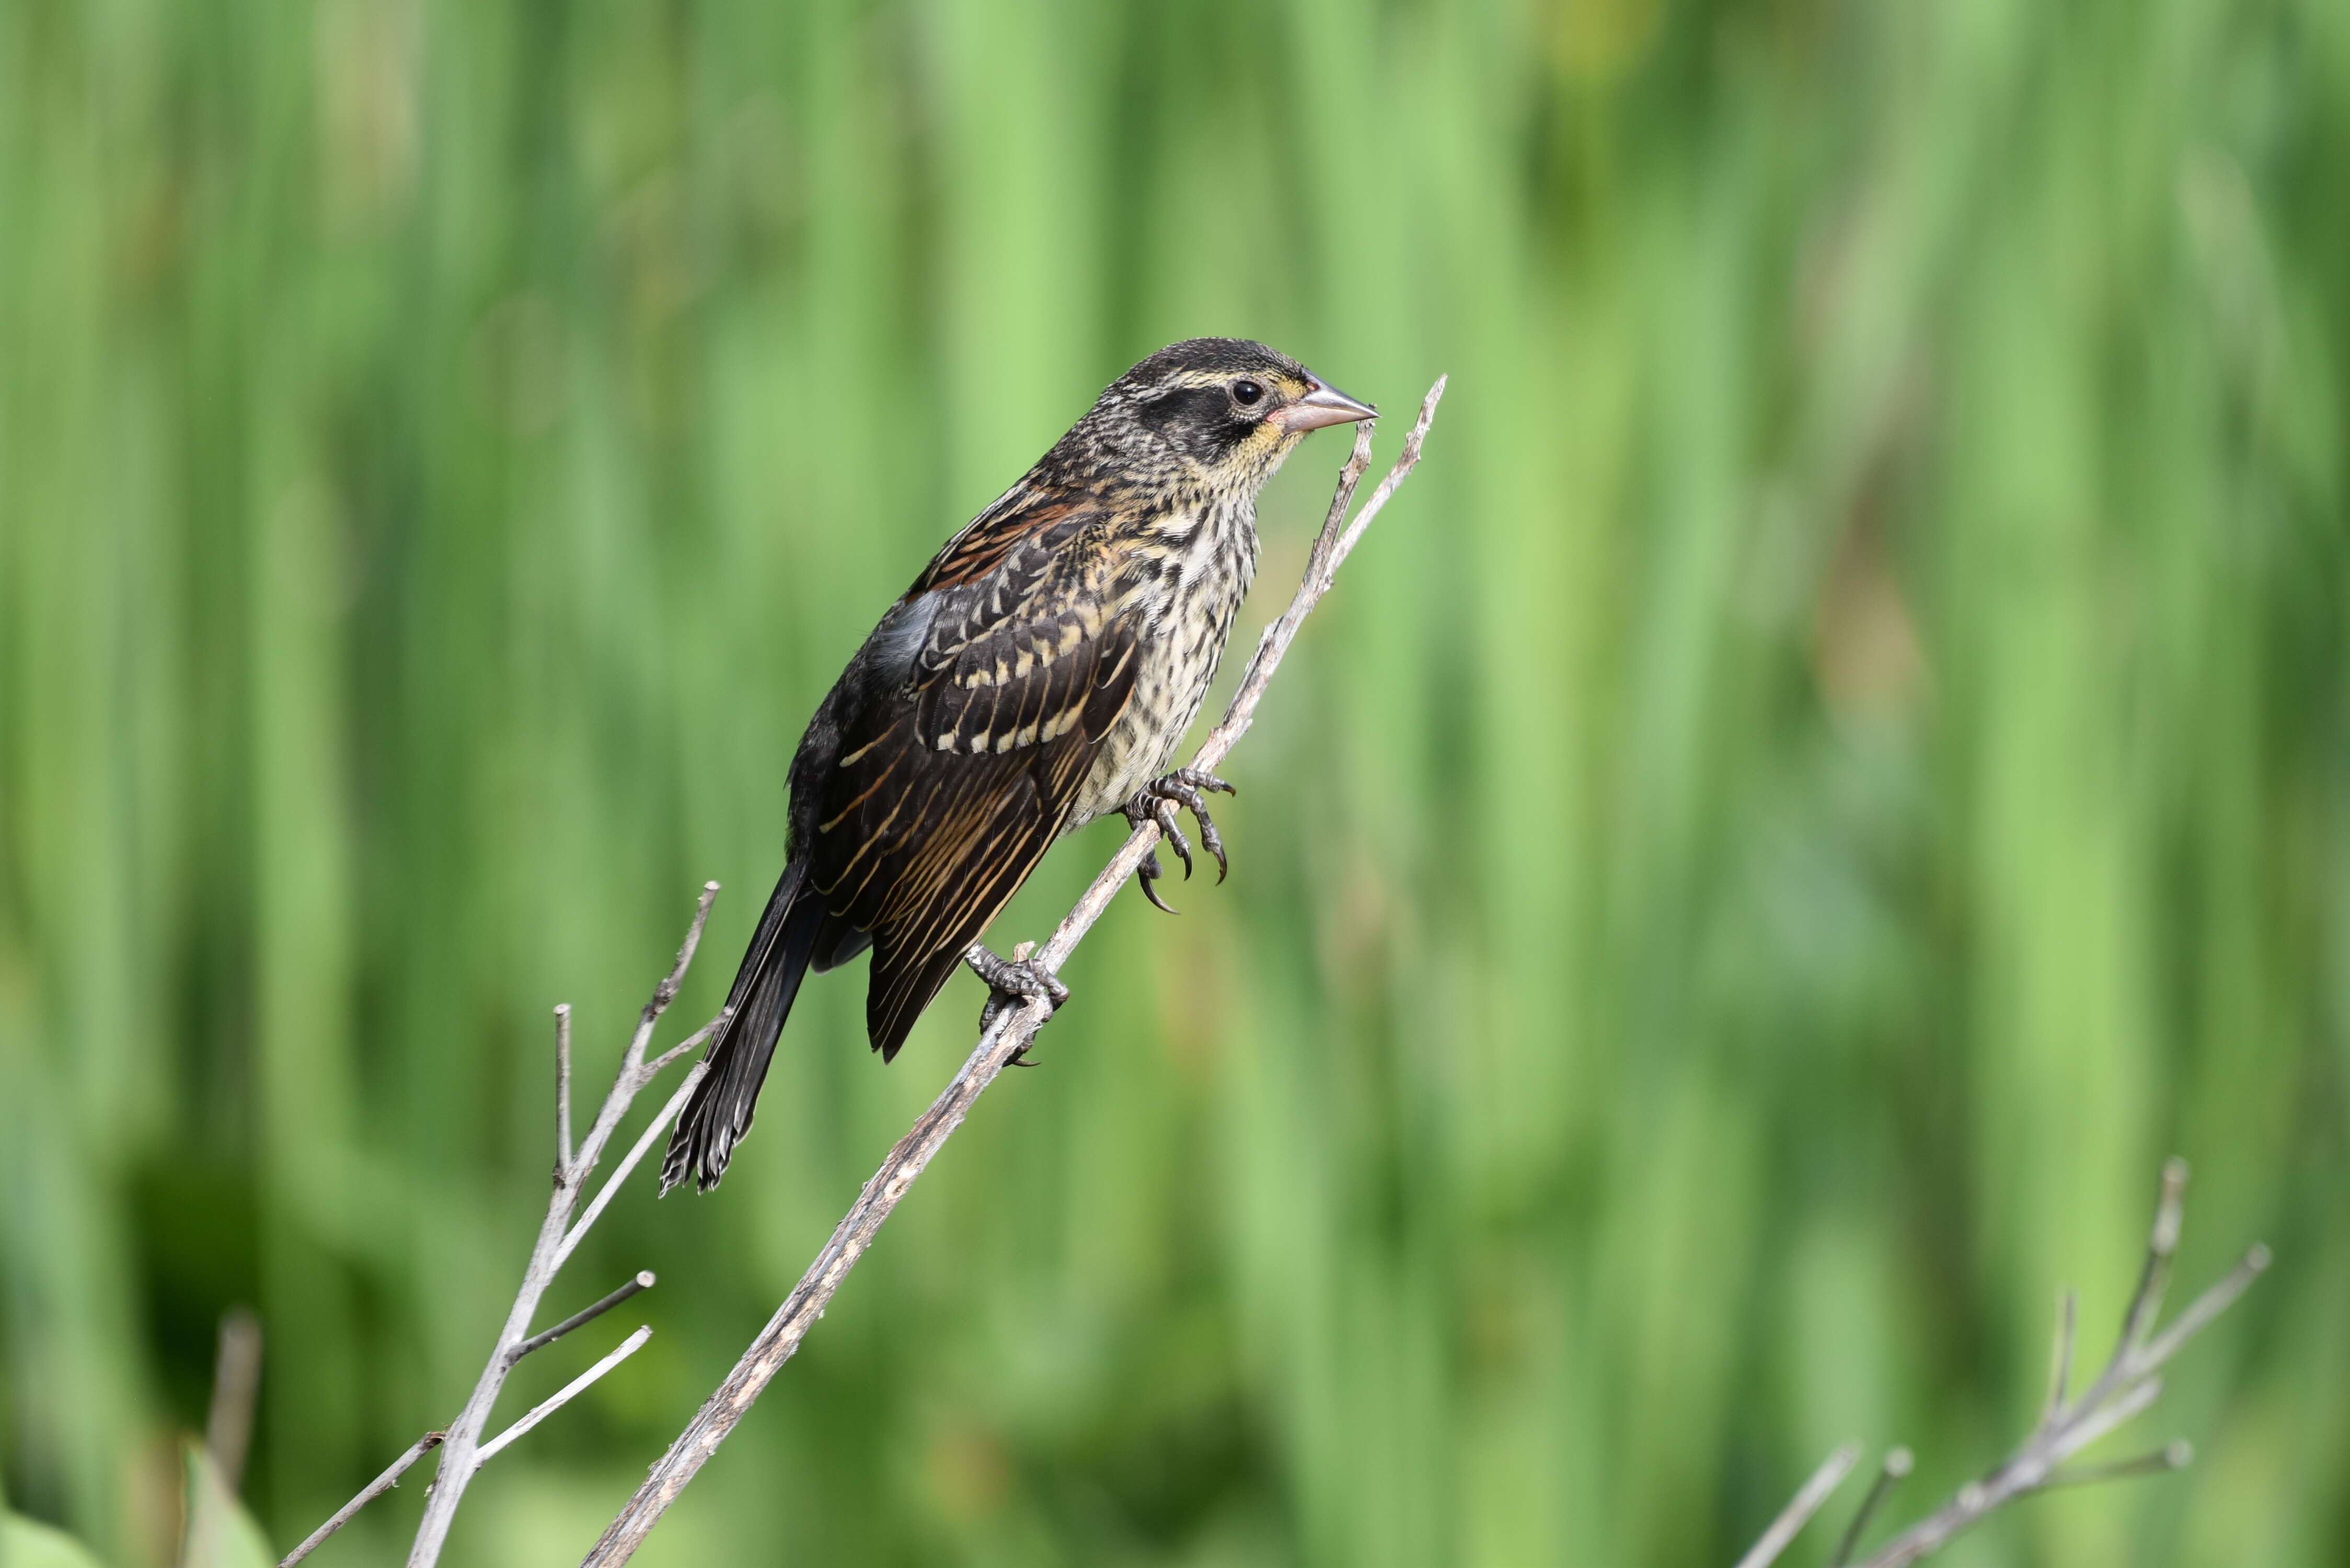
(1839, 762)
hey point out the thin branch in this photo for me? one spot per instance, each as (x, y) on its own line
(692, 1041)
(564, 1396)
(666, 991)
(653, 1129)
(633, 1074)
(2060, 1372)
(2174, 1455)
(1898, 1464)
(367, 1494)
(463, 1450)
(557, 1238)
(2123, 1390)
(563, 1091)
(1387, 487)
(2092, 1422)
(1331, 547)
(1798, 1513)
(2161, 1247)
(547, 1337)
(2207, 1306)
(1009, 1033)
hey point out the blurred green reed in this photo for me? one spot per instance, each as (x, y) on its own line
(1835, 766)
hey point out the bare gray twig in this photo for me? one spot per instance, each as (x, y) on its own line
(2172, 1456)
(556, 1239)
(1807, 1502)
(463, 1450)
(691, 1043)
(2060, 1374)
(653, 1129)
(1009, 1034)
(563, 1395)
(545, 1337)
(562, 1088)
(367, 1494)
(2123, 1390)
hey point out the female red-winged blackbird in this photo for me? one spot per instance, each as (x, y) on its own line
(1037, 675)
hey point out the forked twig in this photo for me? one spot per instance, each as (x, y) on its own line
(2128, 1385)
(464, 1452)
(1008, 1033)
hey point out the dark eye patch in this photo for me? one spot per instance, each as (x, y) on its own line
(1198, 419)
(1186, 409)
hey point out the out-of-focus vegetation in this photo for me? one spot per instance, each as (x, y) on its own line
(1836, 766)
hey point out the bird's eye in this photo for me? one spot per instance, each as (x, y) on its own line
(1247, 394)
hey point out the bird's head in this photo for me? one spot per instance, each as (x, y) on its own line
(1221, 411)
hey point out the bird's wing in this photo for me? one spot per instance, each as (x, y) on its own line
(1027, 517)
(951, 782)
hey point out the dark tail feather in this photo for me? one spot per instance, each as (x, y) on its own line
(719, 1112)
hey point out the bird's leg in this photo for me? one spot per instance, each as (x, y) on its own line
(1186, 789)
(1014, 982)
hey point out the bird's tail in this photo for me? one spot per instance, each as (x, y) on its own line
(719, 1112)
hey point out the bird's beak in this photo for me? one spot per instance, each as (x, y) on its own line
(1325, 405)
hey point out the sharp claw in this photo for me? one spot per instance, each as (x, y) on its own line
(1165, 815)
(1148, 873)
(1213, 842)
(1162, 803)
(1210, 839)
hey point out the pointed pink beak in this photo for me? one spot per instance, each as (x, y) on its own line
(1325, 405)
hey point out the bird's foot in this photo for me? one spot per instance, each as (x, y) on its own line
(1185, 789)
(1015, 982)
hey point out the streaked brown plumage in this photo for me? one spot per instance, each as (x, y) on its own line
(1037, 675)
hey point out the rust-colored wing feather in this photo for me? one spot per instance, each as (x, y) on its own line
(1021, 517)
(952, 784)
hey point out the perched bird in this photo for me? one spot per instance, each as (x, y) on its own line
(1037, 675)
